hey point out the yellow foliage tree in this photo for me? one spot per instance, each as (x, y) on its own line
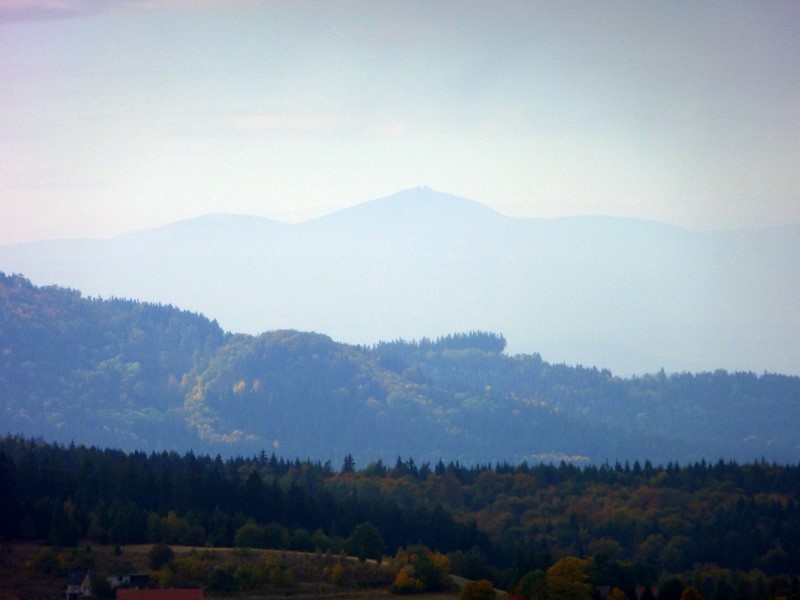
(163, 578)
(337, 574)
(404, 583)
(441, 562)
(690, 593)
(568, 579)
(617, 594)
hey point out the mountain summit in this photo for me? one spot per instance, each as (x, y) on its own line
(419, 202)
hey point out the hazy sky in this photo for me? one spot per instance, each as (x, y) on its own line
(117, 115)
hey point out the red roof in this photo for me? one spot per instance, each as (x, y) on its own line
(172, 594)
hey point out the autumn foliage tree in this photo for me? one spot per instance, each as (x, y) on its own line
(691, 593)
(568, 579)
(478, 590)
(421, 570)
(405, 583)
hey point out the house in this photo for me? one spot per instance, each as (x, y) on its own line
(129, 580)
(78, 585)
(171, 594)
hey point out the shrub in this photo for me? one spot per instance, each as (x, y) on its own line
(478, 590)
(404, 583)
(46, 561)
(250, 535)
(159, 555)
(337, 574)
(220, 580)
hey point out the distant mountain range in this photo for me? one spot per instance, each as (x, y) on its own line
(630, 295)
(138, 376)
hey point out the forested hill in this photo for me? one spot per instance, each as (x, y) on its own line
(138, 376)
(710, 525)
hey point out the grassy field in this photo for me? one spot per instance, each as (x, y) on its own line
(32, 571)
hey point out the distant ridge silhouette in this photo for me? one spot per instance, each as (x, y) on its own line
(628, 294)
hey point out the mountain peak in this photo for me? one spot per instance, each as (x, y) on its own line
(412, 207)
(425, 198)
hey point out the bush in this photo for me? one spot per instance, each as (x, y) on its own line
(301, 541)
(245, 578)
(337, 574)
(276, 536)
(404, 583)
(190, 566)
(159, 555)
(220, 580)
(46, 561)
(250, 535)
(478, 590)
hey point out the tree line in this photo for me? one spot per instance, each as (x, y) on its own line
(63, 494)
(636, 526)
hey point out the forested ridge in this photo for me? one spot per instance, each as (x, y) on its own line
(703, 524)
(130, 422)
(138, 376)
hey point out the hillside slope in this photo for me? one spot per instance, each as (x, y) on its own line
(146, 377)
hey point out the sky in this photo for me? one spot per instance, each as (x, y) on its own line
(125, 114)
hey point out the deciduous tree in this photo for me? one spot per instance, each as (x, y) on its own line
(365, 542)
(478, 590)
(568, 579)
